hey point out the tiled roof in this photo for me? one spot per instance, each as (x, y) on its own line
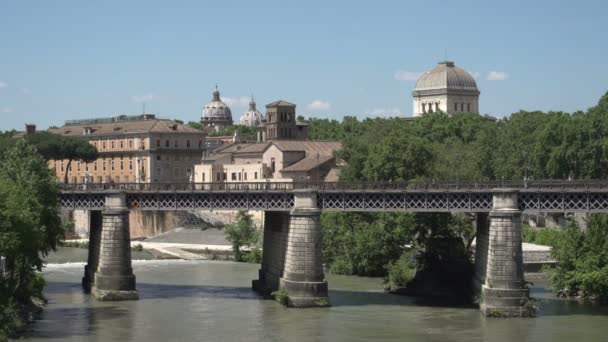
(312, 148)
(253, 148)
(139, 126)
(307, 164)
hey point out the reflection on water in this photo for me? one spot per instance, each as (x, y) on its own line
(212, 301)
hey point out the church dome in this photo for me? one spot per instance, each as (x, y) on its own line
(446, 76)
(217, 111)
(252, 117)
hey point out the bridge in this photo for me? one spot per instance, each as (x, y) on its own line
(292, 259)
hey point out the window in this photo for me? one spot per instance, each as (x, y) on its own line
(188, 143)
(455, 106)
(234, 176)
(468, 107)
(104, 145)
(272, 165)
(112, 165)
(103, 165)
(86, 167)
(62, 166)
(240, 176)
(176, 144)
(157, 142)
(112, 144)
(224, 178)
(245, 176)
(130, 164)
(424, 107)
(203, 177)
(78, 166)
(200, 144)
(158, 157)
(462, 106)
(255, 175)
(95, 165)
(218, 177)
(122, 144)
(70, 168)
(130, 143)
(122, 164)
(166, 143)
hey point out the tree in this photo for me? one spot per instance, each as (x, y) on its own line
(243, 235)
(58, 147)
(194, 124)
(29, 226)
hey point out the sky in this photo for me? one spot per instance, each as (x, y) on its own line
(63, 60)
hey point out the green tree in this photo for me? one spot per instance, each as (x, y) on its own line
(194, 124)
(29, 226)
(243, 235)
(54, 146)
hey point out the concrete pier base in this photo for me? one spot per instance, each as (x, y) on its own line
(276, 225)
(303, 279)
(504, 293)
(114, 279)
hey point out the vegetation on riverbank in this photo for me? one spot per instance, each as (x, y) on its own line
(245, 238)
(461, 147)
(29, 230)
(582, 260)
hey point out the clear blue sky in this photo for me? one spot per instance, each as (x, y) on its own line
(76, 59)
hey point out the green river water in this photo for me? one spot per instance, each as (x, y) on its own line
(213, 301)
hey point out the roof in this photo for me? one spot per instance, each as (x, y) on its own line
(125, 127)
(446, 76)
(312, 148)
(307, 164)
(280, 103)
(252, 148)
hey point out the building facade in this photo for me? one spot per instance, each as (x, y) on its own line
(446, 88)
(133, 149)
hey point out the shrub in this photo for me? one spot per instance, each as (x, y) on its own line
(582, 259)
(254, 255)
(401, 271)
(243, 235)
(541, 236)
(341, 265)
(281, 296)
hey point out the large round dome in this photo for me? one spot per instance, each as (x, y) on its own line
(252, 117)
(216, 111)
(446, 76)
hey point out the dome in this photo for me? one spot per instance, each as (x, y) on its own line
(217, 111)
(446, 76)
(252, 117)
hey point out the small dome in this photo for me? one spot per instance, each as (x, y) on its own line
(446, 76)
(252, 117)
(216, 110)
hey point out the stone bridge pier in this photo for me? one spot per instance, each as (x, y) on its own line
(108, 273)
(292, 259)
(499, 259)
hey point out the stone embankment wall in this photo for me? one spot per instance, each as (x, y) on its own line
(148, 223)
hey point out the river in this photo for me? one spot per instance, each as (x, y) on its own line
(213, 301)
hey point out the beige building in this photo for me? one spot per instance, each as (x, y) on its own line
(276, 161)
(133, 149)
(446, 88)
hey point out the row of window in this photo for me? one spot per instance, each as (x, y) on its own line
(103, 145)
(176, 143)
(462, 107)
(94, 164)
(234, 176)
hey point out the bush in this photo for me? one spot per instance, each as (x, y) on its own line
(253, 256)
(541, 236)
(281, 296)
(401, 271)
(582, 259)
(341, 266)
(243, 235)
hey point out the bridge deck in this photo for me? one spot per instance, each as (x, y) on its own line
(545, 196)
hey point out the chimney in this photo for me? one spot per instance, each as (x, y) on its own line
(30, 129)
